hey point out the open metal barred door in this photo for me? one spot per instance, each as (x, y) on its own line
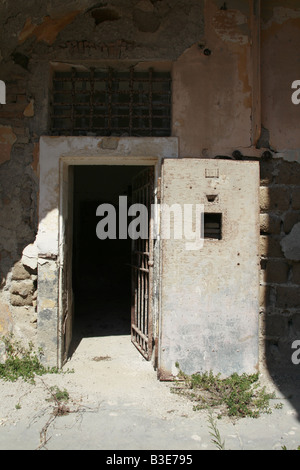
(142, 264)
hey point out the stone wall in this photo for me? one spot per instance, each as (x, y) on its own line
(18, 205)
(280, 259)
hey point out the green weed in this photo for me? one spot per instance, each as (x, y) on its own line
(237, 395)
(59, 395)
(215, 433)
(21, 362)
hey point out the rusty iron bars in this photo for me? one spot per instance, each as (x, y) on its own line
(142, 264)
(111, 102)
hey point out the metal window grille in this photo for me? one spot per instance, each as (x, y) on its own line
(104, 103)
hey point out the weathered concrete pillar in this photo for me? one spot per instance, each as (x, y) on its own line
(47, 319)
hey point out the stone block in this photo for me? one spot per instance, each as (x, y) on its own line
(264, 296)
(275, 198)
(276, 272)
(296, 323)
(270, 247)
(30, 256)
(288, 297)
(23, 288)
(296, 273)
(288, 173)
(296, 198)
(291, 244)
(19, 272)
(266, 172)
(19, 301)
(276, 326)
(291, 218)
(270, 224)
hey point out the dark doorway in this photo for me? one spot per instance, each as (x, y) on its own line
(101, 268)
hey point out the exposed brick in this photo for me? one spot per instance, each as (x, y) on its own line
(11, 98)
(276, 325)
(270, 224)
(296, 198)
(288, 297)
(12, 111)
(290, 219)
(7, 139)
(296, 273)
(270, 247)
(275, 198)
(276, 272)
(22, 99)
(16, 88)
(266, 172)
(20, 131)
(264, 296)
(35, 161)
(288, 173)
(296, 323)
(23, 140)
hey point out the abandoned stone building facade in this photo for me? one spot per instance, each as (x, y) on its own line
(168, 102)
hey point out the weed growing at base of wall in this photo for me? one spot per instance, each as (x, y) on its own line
(21, 362)
(236, 396)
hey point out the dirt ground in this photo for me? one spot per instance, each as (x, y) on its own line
(102, 370)
(116, 402)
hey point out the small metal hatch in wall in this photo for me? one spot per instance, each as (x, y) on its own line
(213, 226)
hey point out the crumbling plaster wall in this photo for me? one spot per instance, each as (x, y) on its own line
(32, 38)
(216, 82)
(224, 93)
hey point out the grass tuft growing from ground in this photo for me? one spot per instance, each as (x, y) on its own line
(236, 396)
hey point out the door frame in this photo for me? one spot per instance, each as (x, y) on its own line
(57, 154)
(66, 313)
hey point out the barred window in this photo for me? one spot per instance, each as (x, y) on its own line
(111, 102)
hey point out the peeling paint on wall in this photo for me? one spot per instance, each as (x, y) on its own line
(279, 15)
(48, 30)
(230, 25)
(280, 55)
(7, 139)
